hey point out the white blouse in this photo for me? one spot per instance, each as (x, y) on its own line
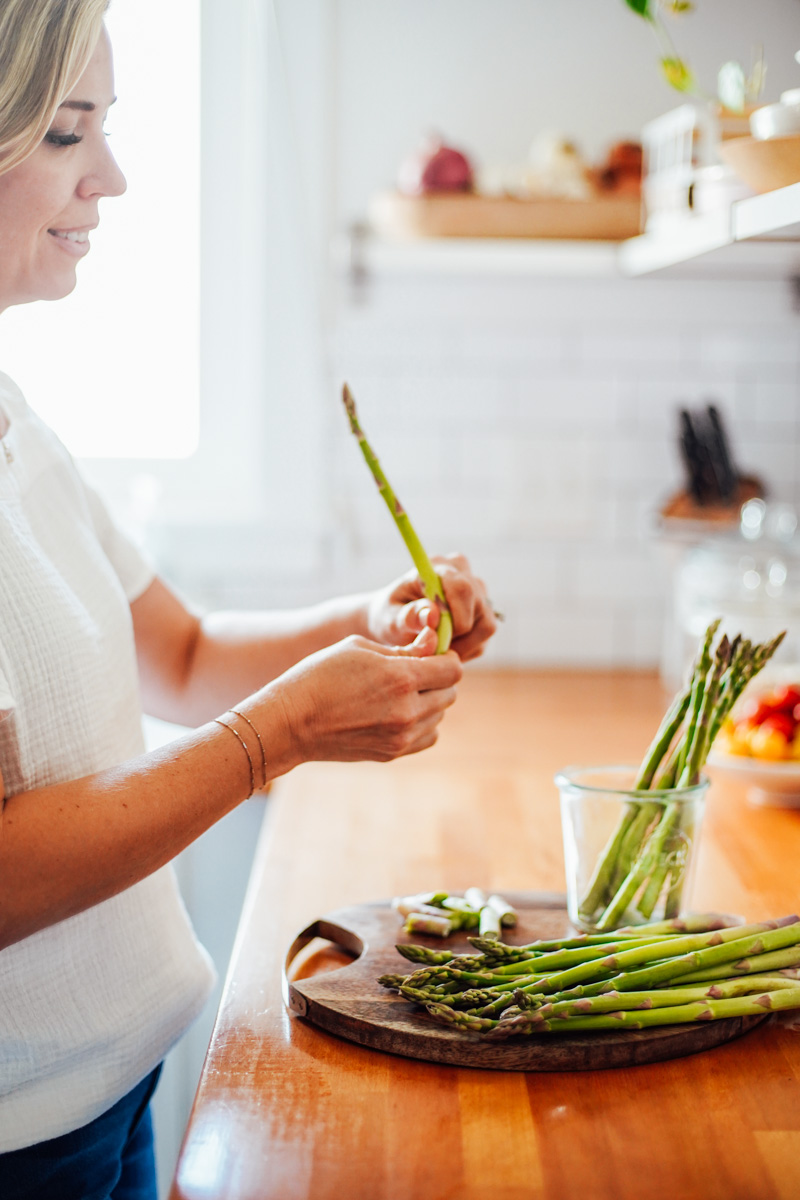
(88, 1006)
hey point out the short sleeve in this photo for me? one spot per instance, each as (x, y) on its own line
(134, 569)
(6, 698)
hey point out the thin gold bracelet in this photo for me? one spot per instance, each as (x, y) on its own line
(261, 744)
(243, 744)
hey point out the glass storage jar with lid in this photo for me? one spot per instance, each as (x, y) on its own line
(750, 577)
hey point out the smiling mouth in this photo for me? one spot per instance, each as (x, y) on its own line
(80, 236)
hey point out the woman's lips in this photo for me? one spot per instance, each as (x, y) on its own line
(74, 242)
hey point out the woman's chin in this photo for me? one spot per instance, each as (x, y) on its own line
(57, 289)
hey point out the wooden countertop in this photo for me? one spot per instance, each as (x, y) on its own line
(285, 1111)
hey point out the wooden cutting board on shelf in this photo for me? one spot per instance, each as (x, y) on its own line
(348, 1000)
(602, 218)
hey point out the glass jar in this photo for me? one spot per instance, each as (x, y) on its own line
(628, 855)
(750, 578)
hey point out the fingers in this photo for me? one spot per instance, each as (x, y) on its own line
(418, 616)
(359, 699)
(454, 559)
(402, 611)
(423, 646)
(423, 730)
(473, 644)
(427, 737)
(438, 671)
(474, 621)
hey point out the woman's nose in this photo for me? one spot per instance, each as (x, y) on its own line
(105, 178)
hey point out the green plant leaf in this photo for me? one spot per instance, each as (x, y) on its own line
(681, 6)
(754, 84)
(732, 86)
(677, 74)
(641, 7)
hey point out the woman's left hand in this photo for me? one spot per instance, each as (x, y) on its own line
(396, 614)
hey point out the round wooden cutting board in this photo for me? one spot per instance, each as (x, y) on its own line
(349, 1001)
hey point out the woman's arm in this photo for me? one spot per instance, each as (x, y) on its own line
(69, 846)
(191, 667)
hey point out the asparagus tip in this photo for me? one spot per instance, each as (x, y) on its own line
(350, 405)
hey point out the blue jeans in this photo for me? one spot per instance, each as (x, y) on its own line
(109, 1159)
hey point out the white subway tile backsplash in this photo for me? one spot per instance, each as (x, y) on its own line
(651, 347)
(574, 636)
(533, 425)
(750, 346)
(639, 635)
(774, 460)
(520, 572)
(612, 574)
(576, 403)
(777, 404)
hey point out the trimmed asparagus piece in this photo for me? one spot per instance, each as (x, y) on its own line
(489, 922)
(507, 915)
(433, 925)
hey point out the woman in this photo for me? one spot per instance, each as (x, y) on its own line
(99, 970)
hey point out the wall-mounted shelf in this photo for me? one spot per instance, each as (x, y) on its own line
(757, 238)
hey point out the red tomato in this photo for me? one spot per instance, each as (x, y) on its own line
(786, 698)
(780, 722)
(756, 709)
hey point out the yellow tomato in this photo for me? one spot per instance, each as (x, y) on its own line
(739, 738)
(795, 746)
(768, 743)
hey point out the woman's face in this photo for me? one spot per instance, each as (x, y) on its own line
(49, 203)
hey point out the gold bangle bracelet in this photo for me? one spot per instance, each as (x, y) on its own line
(260, 743)
(243, 744)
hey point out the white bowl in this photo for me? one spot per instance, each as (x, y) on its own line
(769, 784)
(775, 120)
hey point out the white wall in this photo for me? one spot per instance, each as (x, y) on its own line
(491, 75)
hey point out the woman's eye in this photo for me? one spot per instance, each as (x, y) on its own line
(61, 139)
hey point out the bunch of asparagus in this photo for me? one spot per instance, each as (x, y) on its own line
(646, 856)
(439, 914)
(697, 968)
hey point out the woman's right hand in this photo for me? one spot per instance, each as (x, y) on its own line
(360, 700)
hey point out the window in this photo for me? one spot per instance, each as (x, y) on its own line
(114, 367)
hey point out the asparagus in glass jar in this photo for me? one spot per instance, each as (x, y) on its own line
(642, 860)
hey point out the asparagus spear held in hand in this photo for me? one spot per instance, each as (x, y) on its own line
(431, 582)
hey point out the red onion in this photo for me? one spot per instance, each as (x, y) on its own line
(435, 168)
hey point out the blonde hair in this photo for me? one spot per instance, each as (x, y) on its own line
(45, 46)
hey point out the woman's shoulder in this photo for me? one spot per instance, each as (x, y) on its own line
(11, 396)
(28, 427)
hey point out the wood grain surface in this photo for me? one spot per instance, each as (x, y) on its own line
(601, 218)
(348, 1001)
(286, 1111)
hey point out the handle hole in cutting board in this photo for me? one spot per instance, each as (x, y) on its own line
(319, 957)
